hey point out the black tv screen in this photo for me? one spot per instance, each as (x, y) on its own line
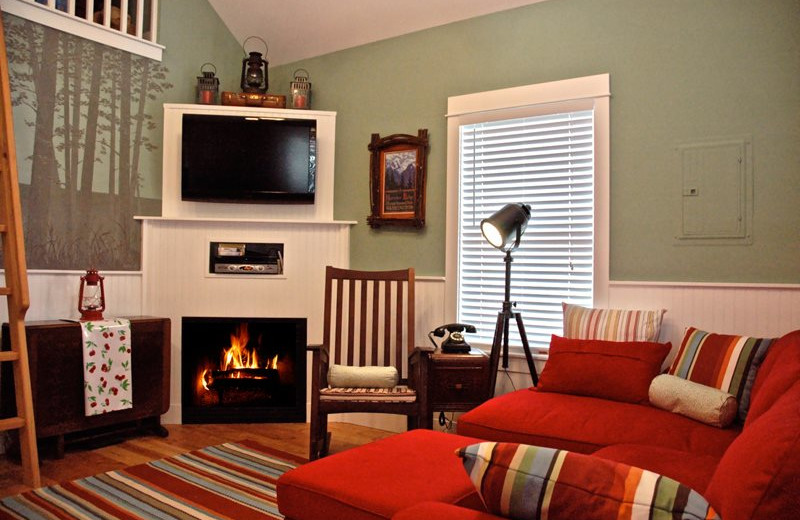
(248, 159)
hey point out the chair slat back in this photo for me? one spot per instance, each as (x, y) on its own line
(369, 317)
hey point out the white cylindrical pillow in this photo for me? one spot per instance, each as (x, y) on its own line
(699, 402)
(362, 377)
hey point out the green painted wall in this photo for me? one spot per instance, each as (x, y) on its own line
(193, 34)
(681, 71)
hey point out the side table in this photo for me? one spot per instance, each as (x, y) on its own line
(56, 366)
(457, 382)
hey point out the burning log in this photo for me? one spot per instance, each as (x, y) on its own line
(243, 378)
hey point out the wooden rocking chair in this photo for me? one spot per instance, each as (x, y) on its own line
(369, 322)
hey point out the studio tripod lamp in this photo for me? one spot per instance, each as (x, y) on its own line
(504, 230)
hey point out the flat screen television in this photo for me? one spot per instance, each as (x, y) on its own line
(248, 159)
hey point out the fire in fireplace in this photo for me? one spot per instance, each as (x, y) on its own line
(243, 370)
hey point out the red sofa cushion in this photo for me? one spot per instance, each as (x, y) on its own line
(378, 479)
(692, 469)
(441, 511)
(616, 370)
(586, 424)
(779, 371)
(757, 478)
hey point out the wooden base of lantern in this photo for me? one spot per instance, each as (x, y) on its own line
(245, 99)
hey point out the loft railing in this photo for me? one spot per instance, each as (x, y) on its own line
(130, 25)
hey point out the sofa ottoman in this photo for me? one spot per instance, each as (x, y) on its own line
(377, 480)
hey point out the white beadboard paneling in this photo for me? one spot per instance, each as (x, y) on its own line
(428, 307)
(761, 310)
(54, 294)
(744, 309)
(175, 282)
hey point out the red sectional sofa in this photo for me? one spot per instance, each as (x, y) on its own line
(750, 471)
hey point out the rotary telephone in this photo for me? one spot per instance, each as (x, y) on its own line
(454, 343)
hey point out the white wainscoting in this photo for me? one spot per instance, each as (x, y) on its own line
(54, 294)
(175, 283)
(743, 309)
(768, 310)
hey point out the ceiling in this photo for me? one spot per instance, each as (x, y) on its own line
(300, 29)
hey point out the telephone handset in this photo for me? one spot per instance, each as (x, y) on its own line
(454, 343)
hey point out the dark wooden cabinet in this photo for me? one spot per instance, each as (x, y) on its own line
(458, 382)
(56, 365)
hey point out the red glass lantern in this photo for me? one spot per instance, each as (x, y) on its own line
(92, 297)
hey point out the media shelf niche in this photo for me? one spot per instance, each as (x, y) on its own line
(245, 259)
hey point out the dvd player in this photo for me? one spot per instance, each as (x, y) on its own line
(245, 258)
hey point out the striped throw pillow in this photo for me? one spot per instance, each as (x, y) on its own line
(611, 324)
(529, 482)
(722, 361)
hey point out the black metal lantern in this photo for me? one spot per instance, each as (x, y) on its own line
(207, 86)
(255, 79)
(301, 89)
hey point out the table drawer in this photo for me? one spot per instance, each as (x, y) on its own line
(464, 384)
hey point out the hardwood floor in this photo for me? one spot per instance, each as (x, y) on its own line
(78, 463)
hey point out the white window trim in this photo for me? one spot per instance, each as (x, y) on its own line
(71, 24)
(595, 88)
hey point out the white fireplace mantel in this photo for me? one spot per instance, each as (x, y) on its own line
(175, 246)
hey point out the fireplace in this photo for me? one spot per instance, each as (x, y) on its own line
(243, 370)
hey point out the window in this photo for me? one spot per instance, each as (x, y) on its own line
(97, 20)
(547, 146)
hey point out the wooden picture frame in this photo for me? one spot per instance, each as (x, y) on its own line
(398, 168)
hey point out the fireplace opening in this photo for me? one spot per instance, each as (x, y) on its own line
(243, 370)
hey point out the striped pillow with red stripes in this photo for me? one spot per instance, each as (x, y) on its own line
(721, 361)
(529, 482)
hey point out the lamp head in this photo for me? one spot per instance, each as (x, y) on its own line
(504, 229)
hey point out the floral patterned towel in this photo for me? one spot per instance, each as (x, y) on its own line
(106, 365)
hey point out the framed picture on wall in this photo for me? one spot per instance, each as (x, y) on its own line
(397, 179)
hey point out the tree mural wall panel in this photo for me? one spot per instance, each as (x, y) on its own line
(88, 125)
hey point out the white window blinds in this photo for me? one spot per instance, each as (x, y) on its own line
(546, 161)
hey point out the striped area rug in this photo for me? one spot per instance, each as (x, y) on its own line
(229, 481)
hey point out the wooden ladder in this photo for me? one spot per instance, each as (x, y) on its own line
(16, 283)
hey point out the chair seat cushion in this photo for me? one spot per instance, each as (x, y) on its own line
(398, 394)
